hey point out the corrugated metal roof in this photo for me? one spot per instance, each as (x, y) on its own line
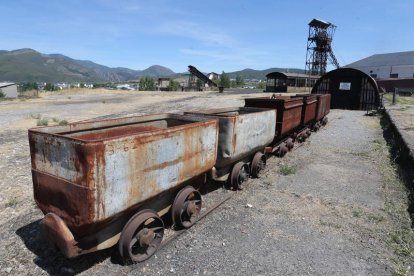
(290, 75)
(389, 59)
(319, 23)
(5, 84)
(298, 75)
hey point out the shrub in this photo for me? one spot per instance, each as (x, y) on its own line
(42, 122)
(63, 123)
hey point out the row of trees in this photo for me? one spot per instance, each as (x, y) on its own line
(33, 86)
(148, 84)
(225, 81)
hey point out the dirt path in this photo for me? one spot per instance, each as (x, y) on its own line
(339, 210)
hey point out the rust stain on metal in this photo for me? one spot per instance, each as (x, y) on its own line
(89, 174)
(241, 131)
(113, 132)
(323, 106)
(289, 111)
(309, 108)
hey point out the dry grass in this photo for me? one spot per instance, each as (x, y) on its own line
(399, 99)
(79, 91)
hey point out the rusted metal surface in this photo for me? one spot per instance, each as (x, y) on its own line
(289, 111)
(54, 229)
(323, 106)
(239, 175)
(141, 236)
(310, 103)
(88, 173)
(258, 164)
(186, 207)
(242, 131)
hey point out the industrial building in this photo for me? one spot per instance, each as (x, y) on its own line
(383, 66)
(278, 81)
(9, 89)
(392, 71)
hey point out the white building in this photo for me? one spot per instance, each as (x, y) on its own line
(213, 76)
(9, 89)
(383, 66)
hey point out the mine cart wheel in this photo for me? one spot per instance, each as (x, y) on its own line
(316, 127)
(308, 132)
(283, 149)
(301, 137)
(258, 164)
(324, 121)
(289, 144)
(186, 207)
(141, 236)
(239, 174)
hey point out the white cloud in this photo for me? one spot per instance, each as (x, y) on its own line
(241, 56)
(207, 35)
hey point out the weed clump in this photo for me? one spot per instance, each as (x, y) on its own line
(63, 123)
(287, 169)
(42, 122)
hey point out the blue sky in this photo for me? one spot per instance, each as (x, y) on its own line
(211, 35)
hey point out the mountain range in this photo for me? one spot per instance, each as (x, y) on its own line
(28, 65)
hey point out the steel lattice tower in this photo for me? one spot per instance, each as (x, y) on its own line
(319, 48)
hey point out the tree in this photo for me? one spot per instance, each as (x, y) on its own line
(239, 80)
(173, 85)
(146, 84)
(29, 86)
(50, 87)
(261, 85)
(199, 84)
(224, 80)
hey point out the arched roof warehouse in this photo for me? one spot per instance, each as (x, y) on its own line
(350, 89)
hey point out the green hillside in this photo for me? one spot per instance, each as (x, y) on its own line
(27, 65)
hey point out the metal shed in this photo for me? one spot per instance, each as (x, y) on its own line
(278, 81)
(9, 89)
(349, 89)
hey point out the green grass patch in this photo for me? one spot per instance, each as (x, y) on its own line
(357, 213)
(11, 203)
(287, 169)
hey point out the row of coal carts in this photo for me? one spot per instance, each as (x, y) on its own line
(108, 182)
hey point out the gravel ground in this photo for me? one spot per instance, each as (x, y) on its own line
(332, 206)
